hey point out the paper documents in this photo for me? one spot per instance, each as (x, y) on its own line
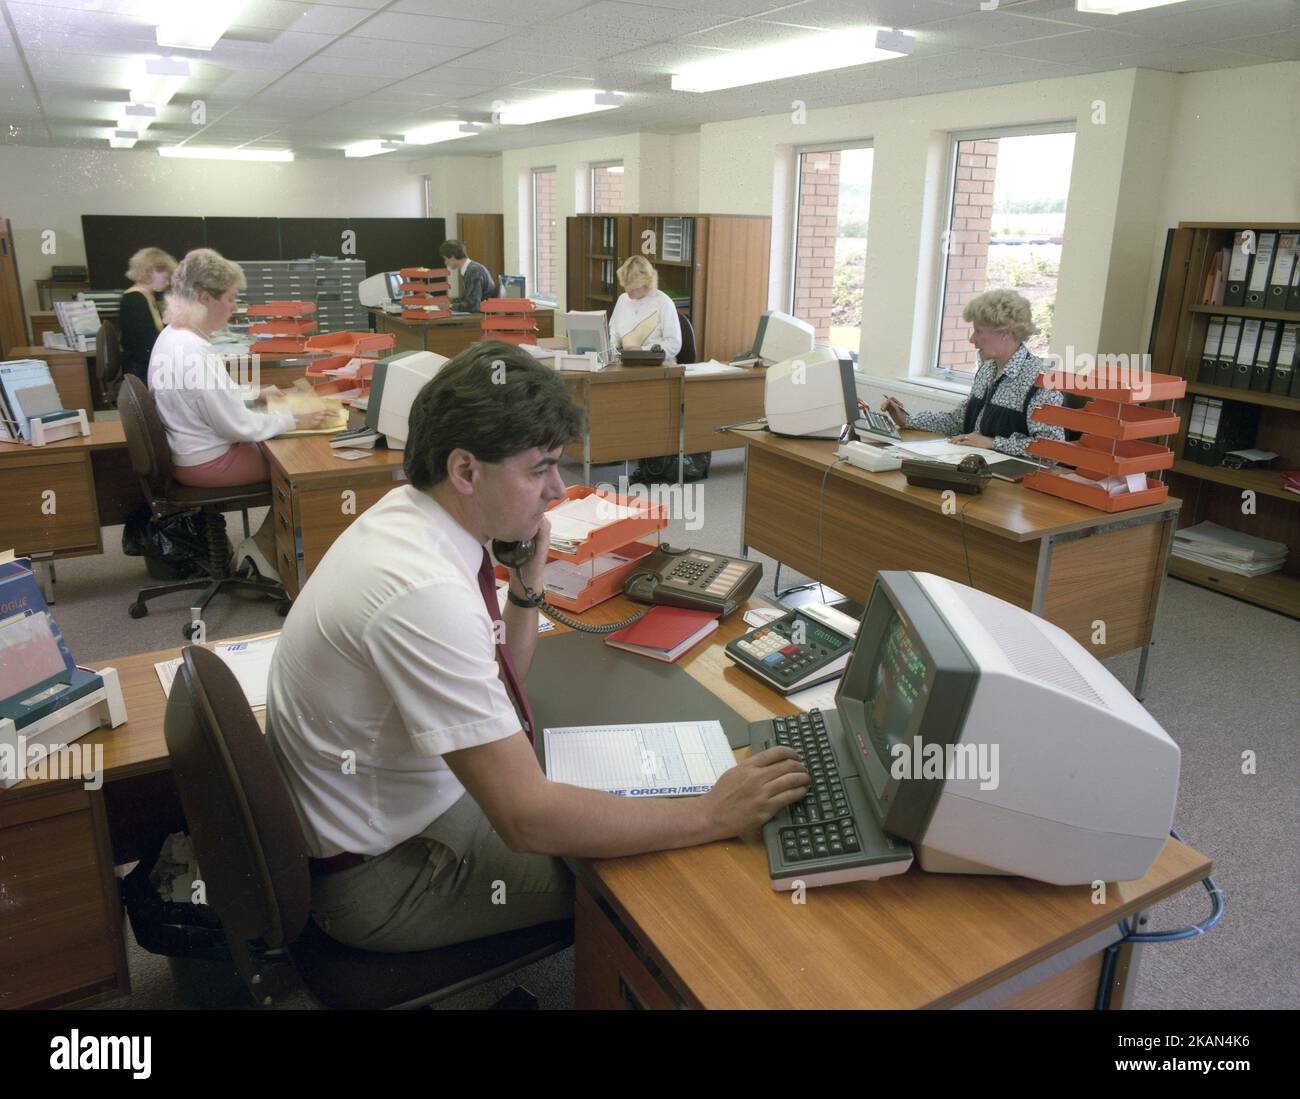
(1230, 550)
(249, 660)
(574, 520)
(941, 450)
(669, 759)
(706, 369)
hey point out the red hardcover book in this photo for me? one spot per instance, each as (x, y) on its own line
(665, 632)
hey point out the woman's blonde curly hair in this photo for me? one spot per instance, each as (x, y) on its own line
(200, 270)
(1001, 311)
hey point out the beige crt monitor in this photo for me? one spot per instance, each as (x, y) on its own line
(403, 376)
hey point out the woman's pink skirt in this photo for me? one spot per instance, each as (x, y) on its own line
(242, 464)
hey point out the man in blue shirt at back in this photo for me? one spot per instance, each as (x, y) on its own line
(476, 281)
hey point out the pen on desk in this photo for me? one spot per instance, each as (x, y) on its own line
(890, 397)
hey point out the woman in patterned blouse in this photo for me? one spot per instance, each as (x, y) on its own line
(998, 415)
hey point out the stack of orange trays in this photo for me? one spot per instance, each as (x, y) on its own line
(1112, 423)
(337, 349)
(290, 323)
(509, 319)
(426, 293)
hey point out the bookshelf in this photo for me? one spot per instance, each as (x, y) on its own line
(1215, 492)
(714, 266)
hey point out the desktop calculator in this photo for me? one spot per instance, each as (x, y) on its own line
(879, 424)
(800, 649)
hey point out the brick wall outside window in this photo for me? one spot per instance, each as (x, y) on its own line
(968, 249)
(818, 215)
(545, 234)
(606, 191)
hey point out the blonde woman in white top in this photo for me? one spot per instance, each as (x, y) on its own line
(212, 435)
(640, 301)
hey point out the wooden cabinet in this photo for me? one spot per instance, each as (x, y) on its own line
(1215, 492)
(484, 238)
(13, 318)
(61, 920)
(714, 266)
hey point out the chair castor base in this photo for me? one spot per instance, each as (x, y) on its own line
(137, 610)
(190, 629)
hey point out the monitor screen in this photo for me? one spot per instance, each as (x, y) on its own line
(895, 683)
(394, 285)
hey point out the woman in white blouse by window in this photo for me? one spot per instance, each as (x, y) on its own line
(640, 301)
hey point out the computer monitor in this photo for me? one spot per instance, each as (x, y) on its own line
(587, 331)
(997, 744)
(395, 382)
(779, 337)
(512, 286)
(811, 396)
(380, 290)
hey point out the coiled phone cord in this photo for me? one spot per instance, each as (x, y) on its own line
(539, 601)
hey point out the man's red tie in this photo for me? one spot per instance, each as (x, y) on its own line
(488, 586)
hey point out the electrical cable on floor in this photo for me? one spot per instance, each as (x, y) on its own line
(821, 514)
(965, 548)
(1132, 935)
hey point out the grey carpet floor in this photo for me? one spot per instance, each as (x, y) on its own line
(1223, 681)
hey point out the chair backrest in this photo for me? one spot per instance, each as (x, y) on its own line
(108, 352)
(249, 845)
(146, 438)
(687, 353)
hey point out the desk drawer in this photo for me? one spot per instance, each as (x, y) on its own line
(608, 975)
(47, 503)
(61, 926)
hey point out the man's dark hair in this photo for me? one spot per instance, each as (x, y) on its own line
(493, 400)
(452, 249)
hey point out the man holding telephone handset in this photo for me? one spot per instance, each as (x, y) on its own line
(398, 721)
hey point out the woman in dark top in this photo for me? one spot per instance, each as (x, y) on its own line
(139, 318)
(998, 415)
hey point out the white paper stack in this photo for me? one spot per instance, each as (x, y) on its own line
(1230, 550)
(80, 323)
(573, 521)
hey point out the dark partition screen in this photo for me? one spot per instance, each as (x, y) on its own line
(386, 244)
(244, 238)
(111, 241)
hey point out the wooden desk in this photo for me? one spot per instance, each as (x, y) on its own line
(709, 930)
(315, 496)
(1096, 575)
(92, 485)
(637, 411)
(448, 336)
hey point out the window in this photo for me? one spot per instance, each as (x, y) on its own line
(545, 237)
(607, 188)
(1006, 225)
(833, 199)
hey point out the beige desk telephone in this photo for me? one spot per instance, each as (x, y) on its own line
(696, 579)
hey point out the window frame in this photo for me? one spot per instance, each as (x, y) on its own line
(955, 137)
(591, 184)
(553, 298)
(793, 243)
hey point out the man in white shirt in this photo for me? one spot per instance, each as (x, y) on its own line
(395, 711)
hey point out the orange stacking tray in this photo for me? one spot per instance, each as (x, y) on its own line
(510, 320)
(285, 329)
(1111, 425)
(618, 536)
(425, 293)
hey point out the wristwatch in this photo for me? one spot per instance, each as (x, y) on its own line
(520, 601)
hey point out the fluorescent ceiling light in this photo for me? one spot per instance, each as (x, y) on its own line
(1118, 7)
(116, 142)
(200, 152)
(811, 54)
(561, 105)
(441, 131)
(196, 24)
(140, 110)
(371, 148)
(157, 89)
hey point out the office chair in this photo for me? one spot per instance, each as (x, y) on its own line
(253, 856)
(687, 353)
(151, 459)
(108, 361)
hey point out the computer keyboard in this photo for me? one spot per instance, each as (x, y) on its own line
(877, 423)
(830, 836)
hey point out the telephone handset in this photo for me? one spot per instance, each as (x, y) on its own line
(513, 555)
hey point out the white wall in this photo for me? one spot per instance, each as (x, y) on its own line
(51, 188)
(1233, 154)
(461, 185)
